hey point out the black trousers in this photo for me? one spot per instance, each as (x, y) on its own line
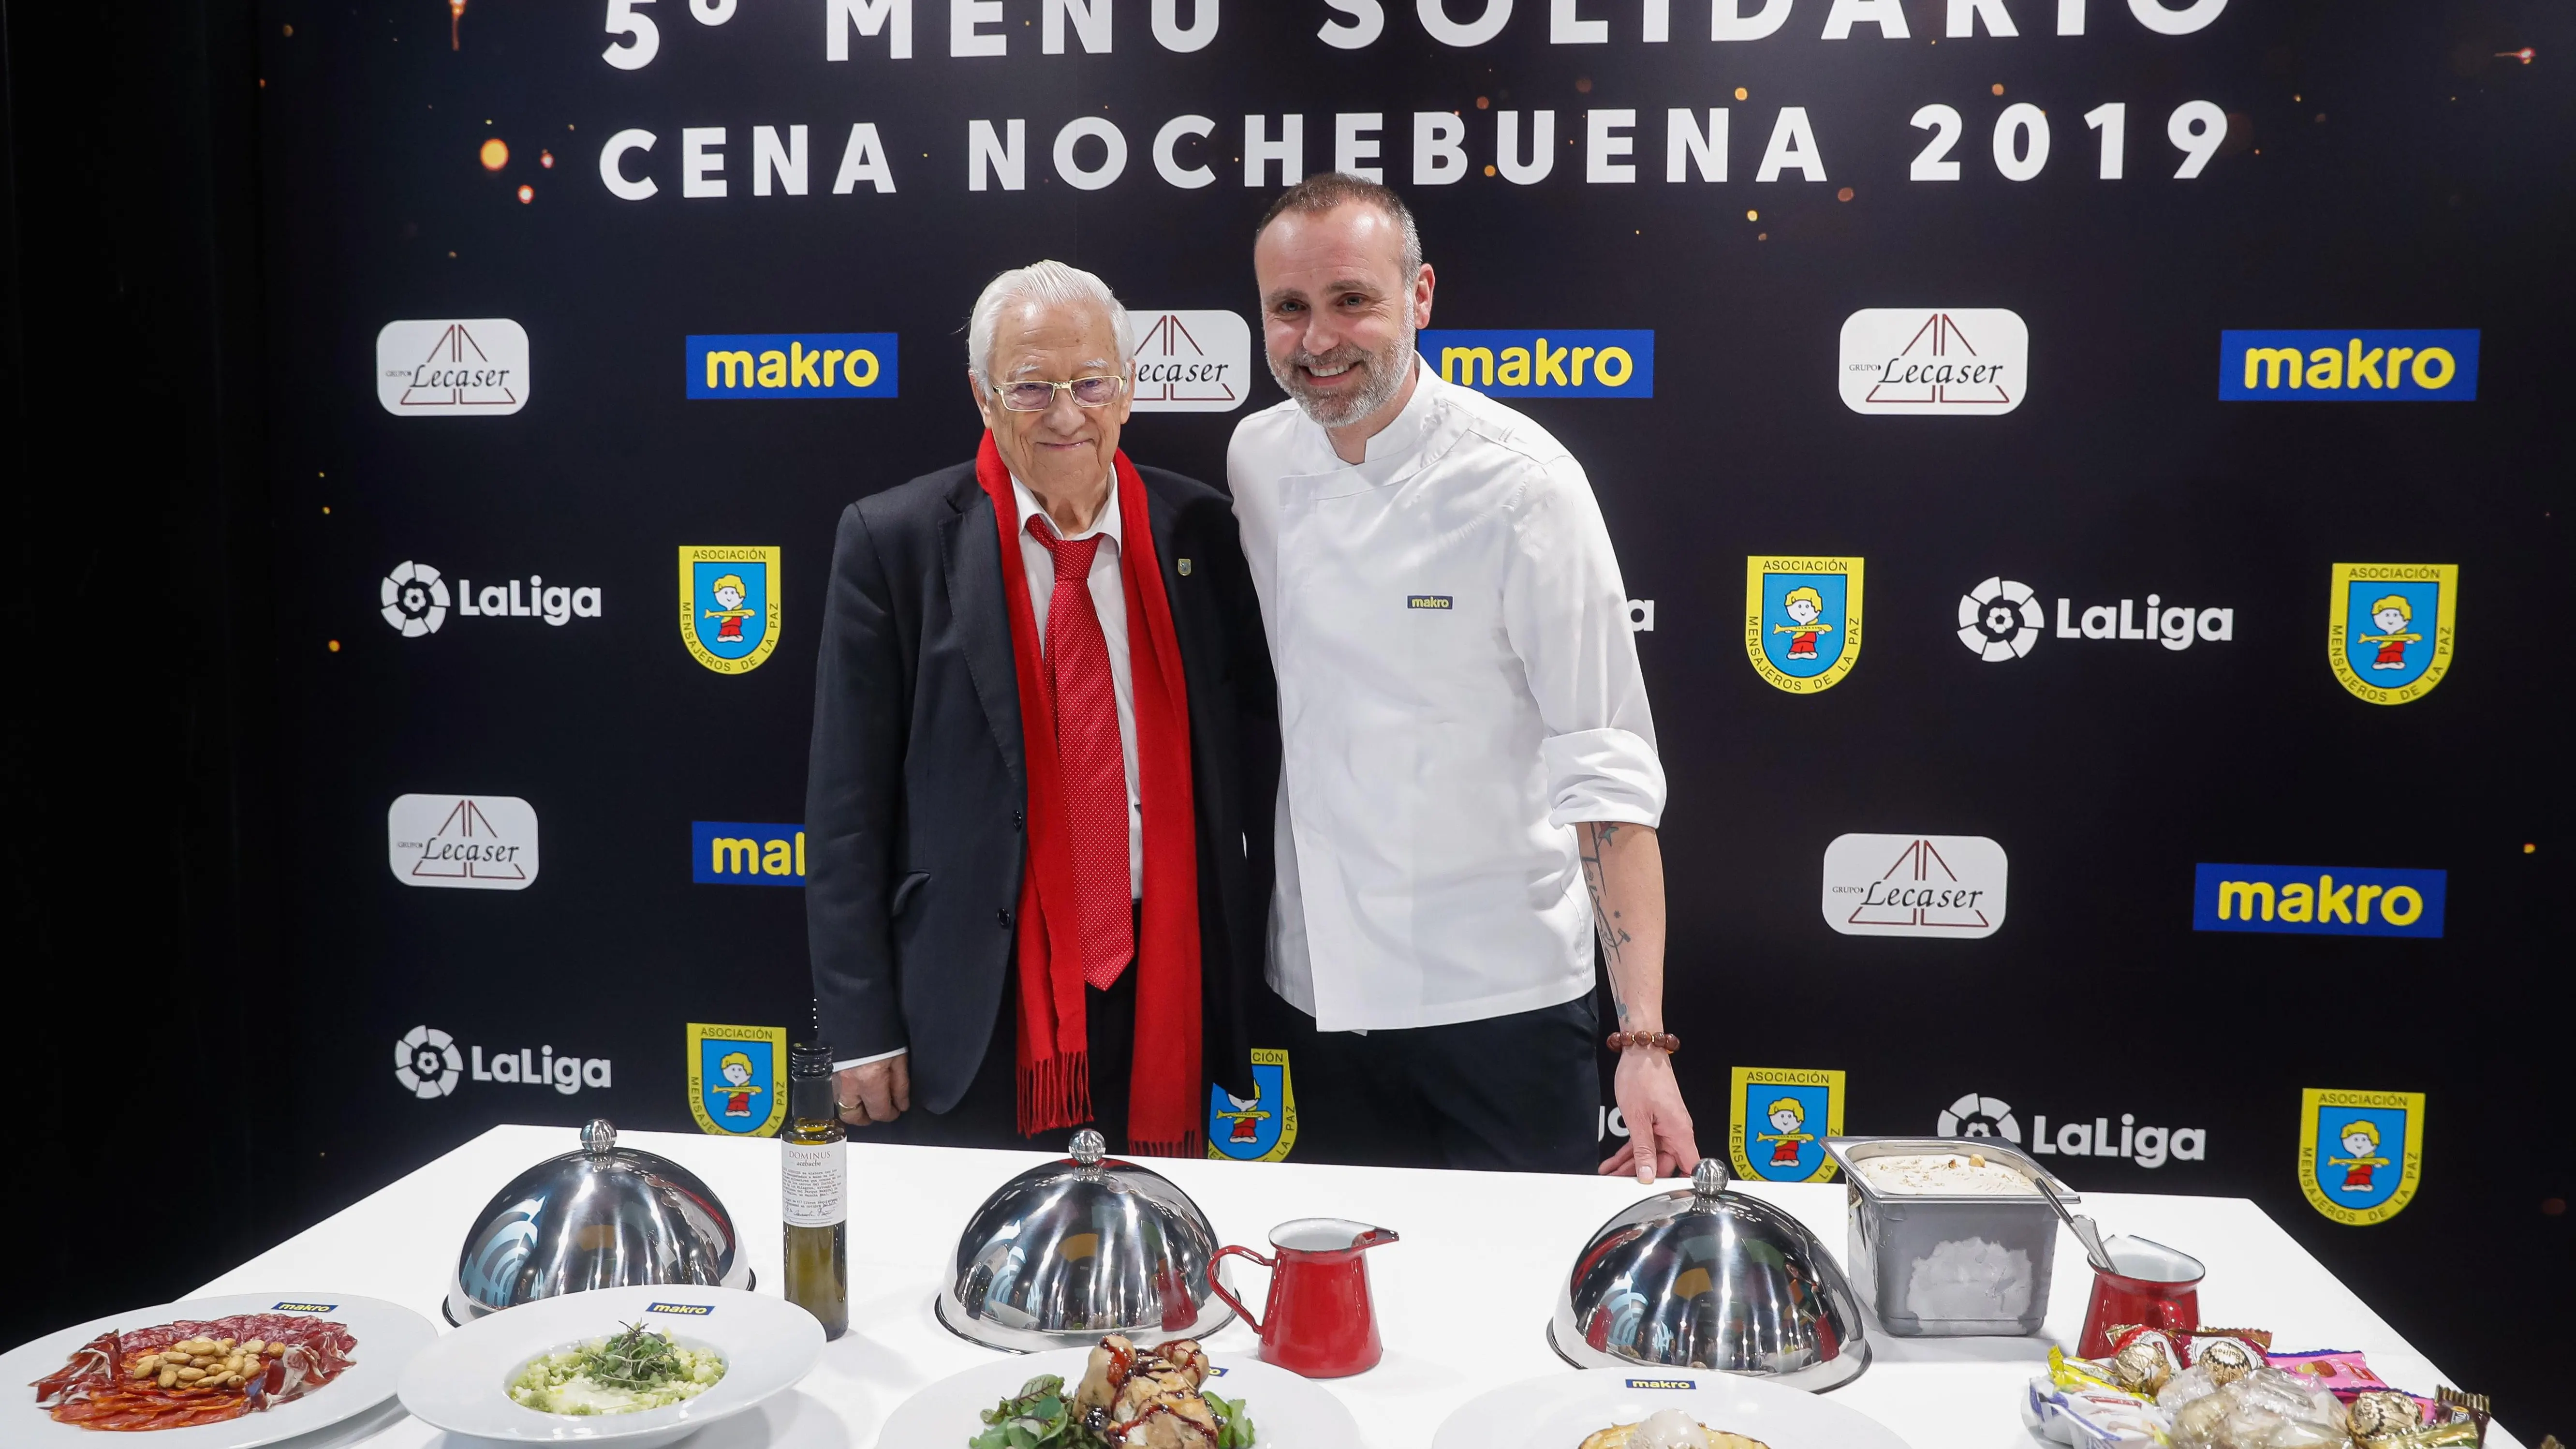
(989, 1115)
(1517, 1093)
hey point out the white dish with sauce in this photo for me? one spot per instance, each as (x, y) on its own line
(461, 1384)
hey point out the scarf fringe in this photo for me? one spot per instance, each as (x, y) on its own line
(1190, 1145)
(1055, 1093)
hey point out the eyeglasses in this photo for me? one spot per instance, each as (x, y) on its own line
(1037, 397)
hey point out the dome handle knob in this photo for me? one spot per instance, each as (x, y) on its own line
(1089, 1147)
(1708, 1179)
(598, 1137)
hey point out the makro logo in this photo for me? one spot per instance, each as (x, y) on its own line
(2318, 900)
(1555, 362)
(462, 842)
(2004, 619)
(726, 852)
(476, 368)
(1191, 362)
(1941, 362)
(2377, 365)
(764, 365)
(1914, 885)
(416, 599)
(690, 1310)
(2147, 1146)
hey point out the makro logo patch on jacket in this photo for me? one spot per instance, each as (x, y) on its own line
(1546, 362)
(2361, 365)
(792, 365)
(2319, 900)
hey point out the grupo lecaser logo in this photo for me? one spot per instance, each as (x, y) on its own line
(1936, 361)
(1191, 362)
(2362, 365)
(727, 852)
(2311, 900)
(2360, 1153)
(1914, 885)
(462, 842)
(2388, 628)
(792, 365)
(1546, 362)
(452, 369)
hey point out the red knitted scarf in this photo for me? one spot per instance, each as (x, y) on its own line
(1163, 1111)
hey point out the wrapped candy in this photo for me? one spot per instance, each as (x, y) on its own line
(2264, 1409)
(2143, 1359)
(2342, 1372)
(2227, 1358)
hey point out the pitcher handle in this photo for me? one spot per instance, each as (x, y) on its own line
(1218, 1288)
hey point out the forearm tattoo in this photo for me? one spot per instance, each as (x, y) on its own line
(1593, 844)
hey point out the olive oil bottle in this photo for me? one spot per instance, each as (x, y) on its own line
(816, 1192)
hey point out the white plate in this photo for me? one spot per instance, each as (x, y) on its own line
(388, 1335)
(1287, 1412)
(461, 1384)
(1558, 1411)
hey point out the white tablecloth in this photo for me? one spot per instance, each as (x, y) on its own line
(1463, 1300)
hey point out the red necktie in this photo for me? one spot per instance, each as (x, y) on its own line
(1089, 758)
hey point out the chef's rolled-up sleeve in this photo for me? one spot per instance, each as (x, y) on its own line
(1566, 611)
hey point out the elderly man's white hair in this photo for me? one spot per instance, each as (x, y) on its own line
(1049, 284)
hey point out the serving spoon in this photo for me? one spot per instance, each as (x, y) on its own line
(2084, 1228)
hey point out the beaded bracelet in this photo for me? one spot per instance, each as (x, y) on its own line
(1662, 1041)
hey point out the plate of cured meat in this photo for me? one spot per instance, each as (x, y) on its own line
(236, 1372)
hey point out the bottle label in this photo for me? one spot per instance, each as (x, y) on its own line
(816, 1184)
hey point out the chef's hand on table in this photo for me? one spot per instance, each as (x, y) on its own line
(1660, 1142)
(871, 1092)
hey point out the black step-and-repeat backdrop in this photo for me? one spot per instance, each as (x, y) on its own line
(2080, 466)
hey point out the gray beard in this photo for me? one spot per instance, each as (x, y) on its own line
(1387, 372)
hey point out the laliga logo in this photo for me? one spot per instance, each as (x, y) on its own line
(415, 599)
(2150, 1147)
(426, 1062)
(428, 1065)
(2002, 619)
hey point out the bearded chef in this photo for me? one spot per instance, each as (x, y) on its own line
(1470, 789)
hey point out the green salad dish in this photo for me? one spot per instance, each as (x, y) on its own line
(621, 1373)
(1043, 1416)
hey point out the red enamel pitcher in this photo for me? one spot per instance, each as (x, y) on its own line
(1319, 1321)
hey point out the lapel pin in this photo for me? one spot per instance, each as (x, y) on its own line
(1185, 568)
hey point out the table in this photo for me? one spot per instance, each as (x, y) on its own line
(1463, 1300)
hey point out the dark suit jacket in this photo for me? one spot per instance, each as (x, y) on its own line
(916, 793)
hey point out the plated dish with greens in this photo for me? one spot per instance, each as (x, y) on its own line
(626, 1372)
(1127, 1398)
(636, 1367)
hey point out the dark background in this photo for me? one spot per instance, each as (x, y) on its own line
(209, 218)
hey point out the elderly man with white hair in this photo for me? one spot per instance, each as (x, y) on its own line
(1045, 742)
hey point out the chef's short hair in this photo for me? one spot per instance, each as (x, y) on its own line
(1322, 193)
(1049, 284)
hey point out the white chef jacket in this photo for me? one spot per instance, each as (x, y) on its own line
(1457, 688)
(1109, 599)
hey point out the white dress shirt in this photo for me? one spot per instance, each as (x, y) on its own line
(1457, 688)
(1109, 600)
